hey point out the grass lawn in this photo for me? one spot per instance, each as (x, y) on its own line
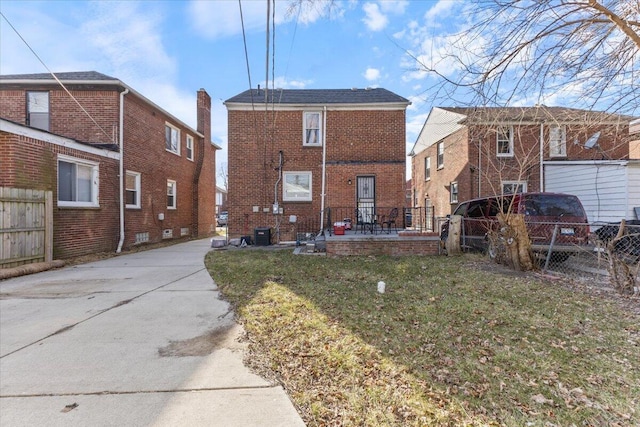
(449, 343)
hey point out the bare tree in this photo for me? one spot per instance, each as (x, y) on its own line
(223, 175)
(526, 52)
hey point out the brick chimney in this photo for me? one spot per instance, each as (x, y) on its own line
(204, 115)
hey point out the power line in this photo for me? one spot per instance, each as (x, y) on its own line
(56, 78)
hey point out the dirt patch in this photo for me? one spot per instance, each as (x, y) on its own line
(201, 345)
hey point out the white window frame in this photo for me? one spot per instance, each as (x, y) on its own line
(504, 184)
(440, 154)
(557, 141)
(172, 146)
(305, 129)
(288, 179)
(189, 147)
(427, 168)
(38, 113)
(173, 186)
(94, 170)
(500, 138)
(454, 195)
(137, 188)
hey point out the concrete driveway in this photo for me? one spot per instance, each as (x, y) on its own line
(141, 339)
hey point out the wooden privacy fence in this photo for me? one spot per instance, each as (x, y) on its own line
(26, 226)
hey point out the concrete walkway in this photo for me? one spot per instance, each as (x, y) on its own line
(136, 340)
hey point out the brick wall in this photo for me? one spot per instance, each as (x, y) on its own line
(358, 143)
(144, 152)
(400, 246)
(457, 152)
(470, 159)
(77, 231)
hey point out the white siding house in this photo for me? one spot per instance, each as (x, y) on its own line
(608, 189)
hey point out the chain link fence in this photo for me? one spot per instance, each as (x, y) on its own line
(598, 254)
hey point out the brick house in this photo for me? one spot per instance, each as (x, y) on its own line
(75, 141)
(464, 153)
(299, 152)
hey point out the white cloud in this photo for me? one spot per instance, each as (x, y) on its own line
(439, 12)
(397, 7)
(215, 19)
(128, 41)
(282, 82)
(374, 19)
(38, 28)
(372, 74)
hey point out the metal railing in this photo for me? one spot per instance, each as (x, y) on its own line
(409, 218)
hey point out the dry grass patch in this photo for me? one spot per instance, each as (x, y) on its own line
(447, 344)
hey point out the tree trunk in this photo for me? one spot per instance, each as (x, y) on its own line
(517, 244)
(453, 239)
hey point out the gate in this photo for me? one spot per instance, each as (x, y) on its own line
(26, 226)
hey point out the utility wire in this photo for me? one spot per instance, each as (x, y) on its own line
(56, 78)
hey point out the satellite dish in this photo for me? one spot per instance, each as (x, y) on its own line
(592, 141)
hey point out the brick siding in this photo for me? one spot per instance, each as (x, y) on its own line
(359, 143)
(32, 164)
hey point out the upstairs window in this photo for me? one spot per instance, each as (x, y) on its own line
(38, 110)
(172, 139)
(440, 148)
(312, 130)
(557, 141)
(504, 141)
(132, 189)
(171, 194)
(427, 169)
(77, 182)
(189, 147)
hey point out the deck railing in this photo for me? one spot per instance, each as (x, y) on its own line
(417, 218)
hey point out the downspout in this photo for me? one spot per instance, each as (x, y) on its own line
(276, 209)
(121, 168)
(541, 156)
(324, 166)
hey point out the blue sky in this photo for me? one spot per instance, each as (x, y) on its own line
(167, 50)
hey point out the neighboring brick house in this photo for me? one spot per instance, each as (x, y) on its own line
(75, 141)
(464, 153)
(281, 142)
(221, 199)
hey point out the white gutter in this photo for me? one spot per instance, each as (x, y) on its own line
(541, 157)
(121, 145)
(324, 166)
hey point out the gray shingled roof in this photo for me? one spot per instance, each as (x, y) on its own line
(67, 76)
(536, 114)
(318, 96)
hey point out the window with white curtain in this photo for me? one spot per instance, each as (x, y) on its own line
(312, 128)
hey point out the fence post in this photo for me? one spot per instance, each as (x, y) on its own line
(553, 241)
(453, 239)
(48, 226)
